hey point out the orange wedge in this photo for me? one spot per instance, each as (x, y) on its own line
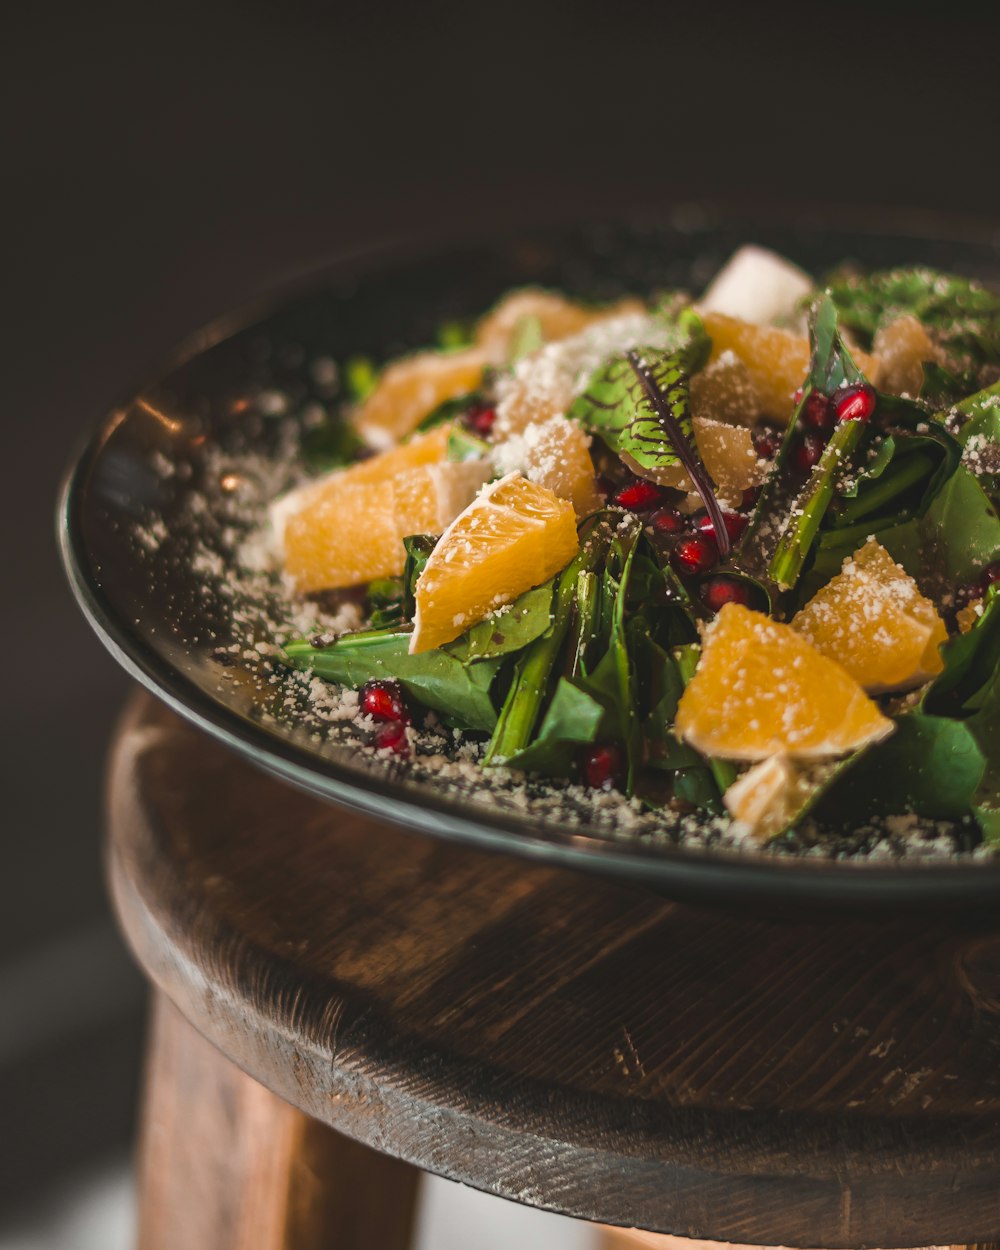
(513, 536)
(777, 360)
(349, 527)
(760, 690)
(409, 389)
(554, 454)
(559, 318)
(903, 346)
(728, 454)
(872, 619)
(725, 391)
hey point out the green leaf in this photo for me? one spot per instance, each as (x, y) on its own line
(955, 538)
(931, 765)
(971, 661)
(449, 410)
(418, 548)
(532, 677)
(434, 678)
(573, 720)
(385, 602)
(465, 446)
(330, 445)
(507, 630)
(525, 338)
(963, 316)
(361, 377)
(452, 335)
(618, 410)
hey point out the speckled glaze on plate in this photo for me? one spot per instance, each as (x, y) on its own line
(152, 614)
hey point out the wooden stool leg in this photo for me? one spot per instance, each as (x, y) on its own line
(227, 1165)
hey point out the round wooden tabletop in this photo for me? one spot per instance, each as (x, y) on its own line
(557, 1039)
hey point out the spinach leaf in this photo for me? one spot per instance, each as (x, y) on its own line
(385, 602)
(980, 414)
(434, 678)
(971, 662)
(573, 720)
(955, 538)
(330, 445)
(418, 548)
(449, 410)
(931, 764)
(508, 630)
(963, 316)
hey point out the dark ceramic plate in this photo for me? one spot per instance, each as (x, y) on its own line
(137, 473)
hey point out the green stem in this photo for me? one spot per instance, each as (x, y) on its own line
(302, 654)
(810, 507)
(584, 621)
(911, 469)
(523, 703)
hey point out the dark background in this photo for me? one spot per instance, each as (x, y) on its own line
(160, 165)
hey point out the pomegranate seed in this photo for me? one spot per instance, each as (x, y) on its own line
(479, 418)
(818, 412)
(990, 576)
(734, 523)
(383, 701)
(602, 767)
(766, 442)
(718, 591)
(750, 497)
(694, 555)
(392, 737)
(797, 397)
(855, 403)
(808, 452)
(640, 495)
(666, 521)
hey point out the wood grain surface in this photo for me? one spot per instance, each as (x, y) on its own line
(562, 1041)
(225, 1165)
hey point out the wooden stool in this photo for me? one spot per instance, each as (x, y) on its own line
(555, 1039)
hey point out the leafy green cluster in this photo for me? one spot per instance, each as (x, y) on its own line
(962, 315)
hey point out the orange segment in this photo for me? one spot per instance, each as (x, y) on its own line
(728, 454)
(903, 346)
(872, 619)
(725, 391)
(558, 316)
(514, 535)
(349, 527)
(777, 360)
(323, 544)
(429, 448)
(411, 388)
(760, 689)
(554, 454)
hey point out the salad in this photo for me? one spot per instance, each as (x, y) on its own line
(736, 555)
